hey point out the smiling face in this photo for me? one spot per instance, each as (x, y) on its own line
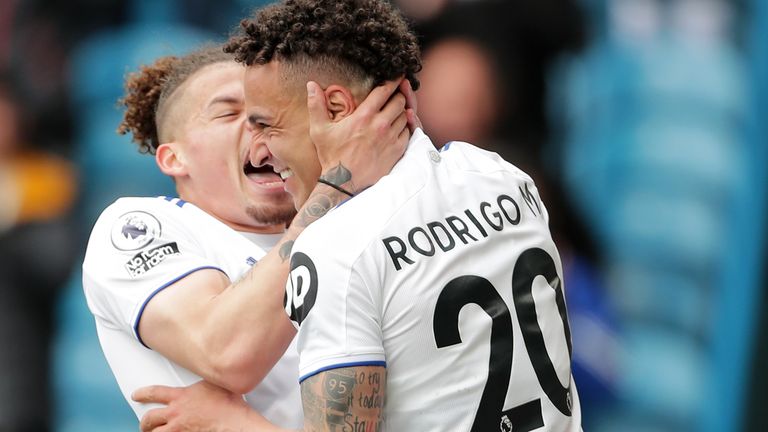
(277, 112)
(211, 160)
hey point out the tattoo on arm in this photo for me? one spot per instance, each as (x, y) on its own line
(285, 250)
(345, 399)
(316, 206)
(339, 176)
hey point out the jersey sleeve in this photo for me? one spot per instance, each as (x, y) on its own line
(136, 250)
(337, 315)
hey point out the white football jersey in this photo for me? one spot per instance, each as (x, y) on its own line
(138, 247)
(445, 272)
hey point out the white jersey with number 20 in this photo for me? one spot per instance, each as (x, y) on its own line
(445, 273)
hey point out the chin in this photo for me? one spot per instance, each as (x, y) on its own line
(272, 214)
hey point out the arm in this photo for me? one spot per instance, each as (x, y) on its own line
(334, 400)
(338, 399)
(232, 334)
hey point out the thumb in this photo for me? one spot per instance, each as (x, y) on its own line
(317, 105)
(155, 394)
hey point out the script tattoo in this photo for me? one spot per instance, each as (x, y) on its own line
(338, 176)
(345, 400)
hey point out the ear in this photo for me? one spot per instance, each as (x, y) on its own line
(340, 101)
(170, 160)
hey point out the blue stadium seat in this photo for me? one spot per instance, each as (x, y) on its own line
(653, 145)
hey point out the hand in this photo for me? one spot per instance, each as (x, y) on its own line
(411, 106)
(199, 407)
(358, 150)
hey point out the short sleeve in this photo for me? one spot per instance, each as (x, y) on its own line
(134, 252)
(335, 311)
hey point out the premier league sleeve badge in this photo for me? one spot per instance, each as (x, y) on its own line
(134, 230)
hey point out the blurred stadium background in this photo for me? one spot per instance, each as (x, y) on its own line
(642, 121)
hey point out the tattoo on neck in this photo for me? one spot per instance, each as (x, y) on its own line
(338, 175)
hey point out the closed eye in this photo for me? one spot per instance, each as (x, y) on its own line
(227, 114)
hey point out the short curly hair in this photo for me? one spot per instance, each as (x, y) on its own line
(368, 39)
(148, 90)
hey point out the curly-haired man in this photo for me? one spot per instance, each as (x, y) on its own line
(432, 300)
(178, 284)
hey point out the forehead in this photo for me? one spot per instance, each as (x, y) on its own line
(264, 85)
(216, 80)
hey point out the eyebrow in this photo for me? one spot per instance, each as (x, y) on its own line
(225, 100)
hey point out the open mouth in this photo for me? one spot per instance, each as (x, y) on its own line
(265, 175)
(249, 169)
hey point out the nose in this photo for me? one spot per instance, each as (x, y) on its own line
(260, 154)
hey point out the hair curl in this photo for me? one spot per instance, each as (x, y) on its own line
(148, 90)
(369, 35)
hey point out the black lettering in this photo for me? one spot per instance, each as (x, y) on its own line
(416, 247)
(438, 240)
(503, 198)
(476, 222)
(397, 254)
(462, 231)
(530, 199)
(483, 206)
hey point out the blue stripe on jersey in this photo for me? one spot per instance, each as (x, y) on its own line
(179, 202)
(343, 365)
(446, 146)
(155, 292)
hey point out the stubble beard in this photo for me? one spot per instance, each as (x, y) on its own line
(275, 214)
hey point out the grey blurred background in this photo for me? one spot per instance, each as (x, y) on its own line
(643, 123)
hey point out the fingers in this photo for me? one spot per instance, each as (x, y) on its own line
(400, 124)
(155, 394)
(379, 96)
(154, 419)
(394, 108)
(402, 142)
(414, 122)
(410, 95)
(317, 104)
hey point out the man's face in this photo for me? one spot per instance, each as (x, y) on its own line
(279, 118)
(215, 145)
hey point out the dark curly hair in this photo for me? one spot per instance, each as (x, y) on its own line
(148, 90)
(368, 39)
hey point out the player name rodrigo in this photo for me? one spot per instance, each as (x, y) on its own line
(470, 226)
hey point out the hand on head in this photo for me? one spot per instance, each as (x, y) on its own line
(358, 150)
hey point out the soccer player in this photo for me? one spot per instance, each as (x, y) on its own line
(431, 301)
(170, 280)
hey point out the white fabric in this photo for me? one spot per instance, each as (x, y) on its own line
(360, 303)
(138, 247)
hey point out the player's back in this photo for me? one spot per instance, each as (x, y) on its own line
(454, 255)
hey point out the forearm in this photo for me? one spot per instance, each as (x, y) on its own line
(246, 329)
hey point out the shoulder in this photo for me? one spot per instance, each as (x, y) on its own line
(144, 211)
(129, 224)
(471, 157)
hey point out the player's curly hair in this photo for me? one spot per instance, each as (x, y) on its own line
(147, 91)
(369, 37)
